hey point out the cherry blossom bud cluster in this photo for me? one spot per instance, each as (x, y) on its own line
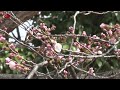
(11, 63)
(15, 66)
(111, 32)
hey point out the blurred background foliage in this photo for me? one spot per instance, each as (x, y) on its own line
(89, 23)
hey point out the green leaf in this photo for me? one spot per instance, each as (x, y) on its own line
(65, 46)
(1, 67)
(2, 60)
(1, 44)
(6, 52)
(99, 63)
(115, 63)
(73, 48)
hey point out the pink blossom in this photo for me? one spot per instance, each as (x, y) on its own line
(102, 25)
(12, 65)
(57, 47)
(7, 60)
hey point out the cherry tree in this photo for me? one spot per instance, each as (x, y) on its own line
(65, 55)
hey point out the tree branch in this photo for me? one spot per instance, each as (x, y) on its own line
(35, 69)
(22, 15)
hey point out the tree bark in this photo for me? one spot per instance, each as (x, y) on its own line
(22, 15)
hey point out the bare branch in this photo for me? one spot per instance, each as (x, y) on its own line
(35, 69)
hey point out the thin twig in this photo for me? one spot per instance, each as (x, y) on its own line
(78, 35)
(22, 43)
(96, 76)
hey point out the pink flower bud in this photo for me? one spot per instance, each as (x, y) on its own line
(105, 27)
(7, 60)
(102, 25)
(48, 29)
(89, 46)
(110, 32)
(76, 44)
(117, 52)
(118, 31)
(42, 25)
(7, 16)
(84, 33)
(107, 45)
(112, 40)
(91, 71)
(65, 72)
(71, 29)
(11, 55)
(69, 59)
(45, 27)
(53, 27)
(103, 35)
(50, 54)
(2, 39)
(82, 60)
(12, 46)
(39, 37)
(95, 37)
